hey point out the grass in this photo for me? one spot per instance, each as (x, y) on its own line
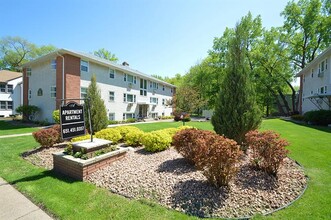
(7, 128)
(69, 199)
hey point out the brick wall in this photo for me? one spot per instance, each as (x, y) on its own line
(79, 171)
(25, 87)
(71, 78)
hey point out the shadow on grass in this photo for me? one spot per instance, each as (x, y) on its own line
(176, 166)
(46, 173)
(198, 197)
(11, 125)
(320, 128)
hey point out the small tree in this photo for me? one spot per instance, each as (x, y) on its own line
(236, 111)
(99, 119)
(28, 111)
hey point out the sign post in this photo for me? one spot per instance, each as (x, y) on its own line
(72, 120)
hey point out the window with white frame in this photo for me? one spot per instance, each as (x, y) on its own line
(84, 65)
(83, 92)
(129, 78)
(111, 96)
(9, 88)
(163, 88)
(111, 73)
(163, 101)
(325, 89)
(312, 73)
(154, 100)
(129, 98)
(154, 114)
(29, 94)
(322, 90)
(9, 105)
(53, 91)
(128, 115)
(153, 85)
(28, 71)
(3, 105)
(143, 87)
(111, 116)
(53, 64)
(2, 87)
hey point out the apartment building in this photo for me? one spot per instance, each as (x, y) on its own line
(315, 83)
(66, 74)
(11, 92)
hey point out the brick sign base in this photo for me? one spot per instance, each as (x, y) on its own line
(79, 169)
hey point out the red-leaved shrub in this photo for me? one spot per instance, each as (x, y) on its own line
(220, 164)
(48, 137)
(211, 153)
(267, 149)
(193, 143)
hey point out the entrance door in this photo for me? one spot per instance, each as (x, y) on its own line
(143, 111)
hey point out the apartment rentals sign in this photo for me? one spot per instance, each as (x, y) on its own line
(72, 120)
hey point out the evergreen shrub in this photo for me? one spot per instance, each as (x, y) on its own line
(319, 117)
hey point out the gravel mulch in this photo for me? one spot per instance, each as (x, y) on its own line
(168, 179)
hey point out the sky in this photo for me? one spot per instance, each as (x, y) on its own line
(161, 37)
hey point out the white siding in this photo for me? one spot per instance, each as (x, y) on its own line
(15, 97)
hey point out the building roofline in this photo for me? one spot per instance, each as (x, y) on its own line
(95, 59)
(313, 62)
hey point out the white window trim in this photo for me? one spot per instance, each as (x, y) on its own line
(112, 96)
(113, 73)
(29, 94)
(87, 65)
(125, 98)
(53, 92)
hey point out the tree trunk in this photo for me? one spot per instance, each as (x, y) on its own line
(285, 102)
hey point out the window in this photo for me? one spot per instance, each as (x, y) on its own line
(53, 91)
(111, 96)
(3, 105)
(129, 78)
(40, 92)
(143, 87)
(53, 64)
(111, 116)
(10, 105)
(111, 73)
(2, 87)
(154, 115)
(154, 100)
(128, 115)
(325, 89)
(129, 98)
(29, 94)
(312, 73)
(28, 71)
(6, 105)
(322, 90)
(163, 88)
(10, 88)
(326, 64)
(171, 90)
(153, 85)
(304, 78)
(84, 65)
(83, 92)
(163, 101)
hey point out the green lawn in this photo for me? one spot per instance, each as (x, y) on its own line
(68, 199)
(160, 125)
(7, 128)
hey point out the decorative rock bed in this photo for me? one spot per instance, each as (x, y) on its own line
(168, 179)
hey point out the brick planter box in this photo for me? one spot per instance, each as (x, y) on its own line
(78, 168)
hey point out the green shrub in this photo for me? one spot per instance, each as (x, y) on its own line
(268, 150)
(167, 117)
(56, 116)
(131, 120)
(156, 141)
(297, 117)
(49, 136)
(319, 117)
(28, 111)
(81, 138)
(111, 134)
(124, 130)
(111, 122)
(170, 131)
(134, 138)
(184, 127)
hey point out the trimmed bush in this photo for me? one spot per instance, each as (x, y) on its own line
(48, 137)
(156, 141)
(319, 117)
(56, 116)
(130, 120)
(82, 138)
(268, 150)
(111, 122)
(192, 143)
(170, 131)
(110, 134)
(124, 130)
(220, 163)
(134, 138)
(297, 117)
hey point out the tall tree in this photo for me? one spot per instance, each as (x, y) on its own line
(98, 111)
(105, 54)
(236, 111)
(15, 51)
(188, 99)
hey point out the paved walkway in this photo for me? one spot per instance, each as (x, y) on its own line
(13, 205)
(15, 135)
